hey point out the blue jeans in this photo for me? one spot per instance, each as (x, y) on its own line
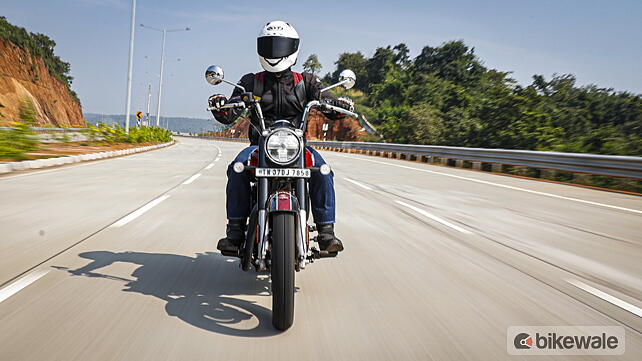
(321, 190)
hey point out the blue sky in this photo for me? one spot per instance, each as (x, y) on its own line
(598, 41)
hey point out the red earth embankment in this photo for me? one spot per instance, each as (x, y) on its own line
(25, 77)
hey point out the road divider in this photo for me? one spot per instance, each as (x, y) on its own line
(58, 161)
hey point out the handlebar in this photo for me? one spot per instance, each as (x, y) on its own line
(319, 104)
(340, 110)
(310, 105)
(228, 106)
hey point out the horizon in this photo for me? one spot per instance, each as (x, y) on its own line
(525, 39)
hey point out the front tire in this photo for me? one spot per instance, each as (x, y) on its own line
(283, 228)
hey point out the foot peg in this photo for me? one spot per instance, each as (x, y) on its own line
(230, 253)
(316, 254)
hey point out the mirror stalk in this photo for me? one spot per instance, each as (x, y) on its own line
(234, 85)
(334, 85)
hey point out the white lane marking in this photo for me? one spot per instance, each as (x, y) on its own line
(358, 184)
(502, 185)
(218, 157)
(220, 153)
(606, 297)
(192, 178)
(21, 283)
(139, 212)
(435, 218)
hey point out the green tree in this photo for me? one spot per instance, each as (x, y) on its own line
(453, 61)
(355, 62)
(447, 96)
(312, 64)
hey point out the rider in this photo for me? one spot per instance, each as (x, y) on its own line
(284, 95)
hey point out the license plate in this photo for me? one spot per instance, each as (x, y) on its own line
(283, 172)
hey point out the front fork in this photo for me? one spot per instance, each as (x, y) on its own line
(300, 229)
(262, 216)
(301, 222)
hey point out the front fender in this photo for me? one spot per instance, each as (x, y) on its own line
(283, 201)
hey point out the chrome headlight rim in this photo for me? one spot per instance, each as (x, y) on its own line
(299, 148)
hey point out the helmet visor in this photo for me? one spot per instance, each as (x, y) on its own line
(274, 47)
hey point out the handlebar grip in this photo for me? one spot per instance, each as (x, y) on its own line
(228, 106)
(233, 105)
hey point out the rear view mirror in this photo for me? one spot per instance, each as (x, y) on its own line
(348, 78)
(214, 74)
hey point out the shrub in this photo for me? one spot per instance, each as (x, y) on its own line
(62, 137)
(149, 134)
(20, 138)
(116, 134)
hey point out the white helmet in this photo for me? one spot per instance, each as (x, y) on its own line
(278, 46)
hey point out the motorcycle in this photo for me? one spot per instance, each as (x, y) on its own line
(278, 234)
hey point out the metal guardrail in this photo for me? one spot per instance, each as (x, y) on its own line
(595, 164)
(608, 165)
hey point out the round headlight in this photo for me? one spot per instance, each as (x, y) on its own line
(283, 146)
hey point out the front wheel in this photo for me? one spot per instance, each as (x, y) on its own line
(283, 239)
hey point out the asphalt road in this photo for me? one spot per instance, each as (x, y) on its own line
(117, 260)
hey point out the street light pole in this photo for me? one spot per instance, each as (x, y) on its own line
(131, 66)
(162, 65)
(160, 84)
(149, 102)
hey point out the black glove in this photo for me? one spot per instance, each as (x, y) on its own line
(345, 103)
(217, 101)
(341, 102)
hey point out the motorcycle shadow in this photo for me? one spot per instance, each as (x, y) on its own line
(199, 290)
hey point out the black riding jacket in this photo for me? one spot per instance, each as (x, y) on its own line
(281, 98)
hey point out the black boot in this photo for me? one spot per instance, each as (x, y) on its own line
(327, 240)
(235, 232)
